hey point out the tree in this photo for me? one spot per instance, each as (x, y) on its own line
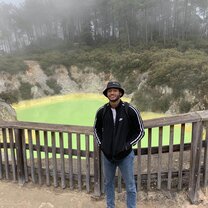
(125, 21)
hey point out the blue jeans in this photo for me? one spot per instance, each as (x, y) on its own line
(126, 167)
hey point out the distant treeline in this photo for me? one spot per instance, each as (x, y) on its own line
(54, 23)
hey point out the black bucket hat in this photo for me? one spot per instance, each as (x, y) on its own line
(113, 85)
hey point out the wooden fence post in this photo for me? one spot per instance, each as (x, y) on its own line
(97, 170)
(205, 179)
(20, 159)
(195, 163)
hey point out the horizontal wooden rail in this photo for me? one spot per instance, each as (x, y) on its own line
(47, 127)
(177, 119)
(150, 123)
(144, 150)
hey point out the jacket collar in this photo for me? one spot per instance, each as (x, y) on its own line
(118, 106)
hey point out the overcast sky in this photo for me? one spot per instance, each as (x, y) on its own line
(16, 2)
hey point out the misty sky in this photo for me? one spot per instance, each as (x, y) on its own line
(16, 2)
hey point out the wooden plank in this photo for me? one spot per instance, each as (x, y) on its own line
(205, 174)
(139, 166)
(20, 160)
(63, 180)
(30, 140)
(1, 164)
(39, 162)
(74, 151)
(203, 115)
(87, 156)
(192, 154)
(11, 141)
(180, 168)
(79, 170)
(198, 162)
(163, 121)
(144, 151)
(195, 165)
(70, 161)
(6, 160)
(47, 171)
(165, 149)
(164, 176)
(55, 178)
(172, 120)
(159, 181)
(47, 127)
(149, 158)
(170, 158)
(102, 179)
(97, 170)
(24, 155)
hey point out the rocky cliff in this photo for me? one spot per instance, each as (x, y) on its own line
(34, 83)
(66, 80)
(7, 113)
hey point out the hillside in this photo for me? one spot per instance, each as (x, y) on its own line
(159, 80)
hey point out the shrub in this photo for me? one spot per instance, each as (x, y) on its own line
(25, 90)
(184, 106)
(10, 97)
(143, 99)
(12, 64)
(52, 83)
(149, 99)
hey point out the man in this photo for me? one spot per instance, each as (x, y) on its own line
(118, 126)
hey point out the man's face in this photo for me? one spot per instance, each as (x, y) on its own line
(113, 94)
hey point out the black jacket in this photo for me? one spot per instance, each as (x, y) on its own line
(116, 140)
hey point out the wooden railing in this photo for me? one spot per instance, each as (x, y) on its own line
(67, 156)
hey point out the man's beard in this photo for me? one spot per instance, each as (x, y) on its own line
(114, 100)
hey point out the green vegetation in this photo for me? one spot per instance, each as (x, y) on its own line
(149, 99)
(171, 75)
(25, 90)
(184, 73)
(52, 83)
(167, 68)
(10, 97)
(12, 64)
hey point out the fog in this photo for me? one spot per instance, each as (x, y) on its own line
(54, 23)
(14, 2)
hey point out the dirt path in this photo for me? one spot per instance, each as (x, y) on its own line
(13, 195)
